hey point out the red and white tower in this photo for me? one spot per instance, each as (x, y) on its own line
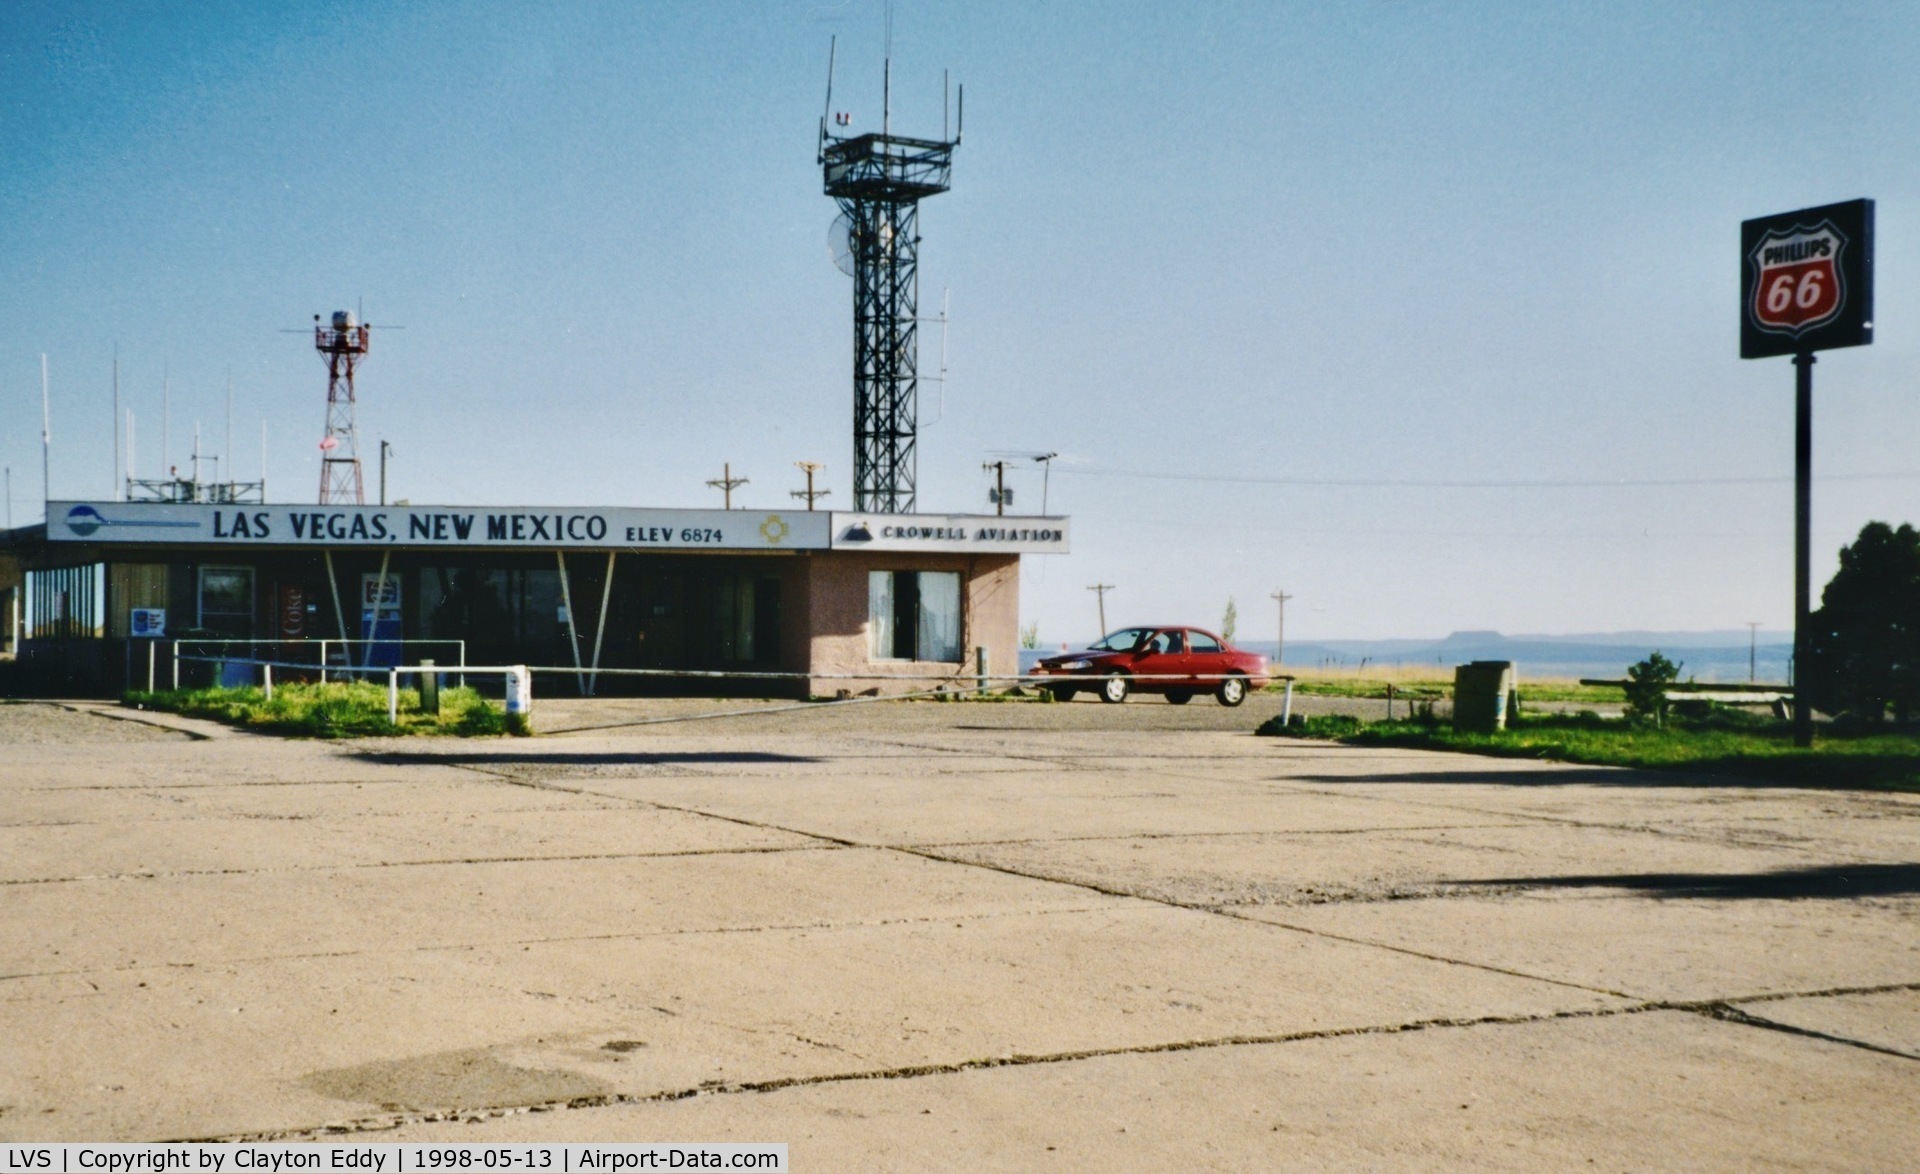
(342, 346)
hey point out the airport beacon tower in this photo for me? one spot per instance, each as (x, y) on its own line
(878, 180)
(341, 345)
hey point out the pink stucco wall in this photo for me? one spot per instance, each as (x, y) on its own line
(836, 619)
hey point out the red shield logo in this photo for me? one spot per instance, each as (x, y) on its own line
(1797, 282)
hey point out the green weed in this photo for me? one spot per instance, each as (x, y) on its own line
(1722, 742)
(336, 709)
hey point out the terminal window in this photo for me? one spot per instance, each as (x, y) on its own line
(226, 601)
(914, 615)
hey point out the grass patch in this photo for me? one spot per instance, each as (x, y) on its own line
(1412, 680)
(1723, 742)
(336, 709)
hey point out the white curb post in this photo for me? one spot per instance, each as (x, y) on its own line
(393, 697)
(266, 681)
(519, 700)
(1286, 705)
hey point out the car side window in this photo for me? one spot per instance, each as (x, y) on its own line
(1201, 642)
(1161, 643)
(1176, 642)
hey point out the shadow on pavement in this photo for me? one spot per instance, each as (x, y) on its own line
(1552, 776)
(622, 758)
(1828, 882)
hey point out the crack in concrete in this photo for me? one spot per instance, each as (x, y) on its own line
(1228, 912)
(1124, 894)
(1124, 836)
(558, 940)
(1726, 838)
(378, 864)
(1709, 1008)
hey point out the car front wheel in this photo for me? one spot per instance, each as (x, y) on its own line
(1232, 691)
(1113, 690)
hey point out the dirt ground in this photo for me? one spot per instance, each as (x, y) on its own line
(948, 936)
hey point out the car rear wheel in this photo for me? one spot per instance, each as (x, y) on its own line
(1178, 697)
(1232, 691)
(1114, 689)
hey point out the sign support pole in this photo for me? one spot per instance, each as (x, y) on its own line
(1802, 546)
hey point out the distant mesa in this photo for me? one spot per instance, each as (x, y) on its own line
(1486, 637)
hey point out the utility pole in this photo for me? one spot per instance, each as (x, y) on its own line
(386, 450)
(1100, 590)
(809, 493)
(999, 493)
(1753, 648)
(726, 483)
(1280, 633)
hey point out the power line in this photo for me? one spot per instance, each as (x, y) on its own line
(1403, 483)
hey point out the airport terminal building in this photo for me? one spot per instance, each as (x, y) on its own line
(827, 594)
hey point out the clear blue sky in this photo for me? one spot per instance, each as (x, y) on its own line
(1359, 251)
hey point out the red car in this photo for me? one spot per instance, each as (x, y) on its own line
(1176, 661)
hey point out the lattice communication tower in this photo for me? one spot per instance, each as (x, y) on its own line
(342, 346)
(878, 180)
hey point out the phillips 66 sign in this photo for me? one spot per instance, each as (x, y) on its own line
(1806, 280)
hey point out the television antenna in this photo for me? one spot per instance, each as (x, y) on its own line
(1043, 459)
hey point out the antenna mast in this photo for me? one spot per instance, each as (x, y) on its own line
(878, 181)
(341, 345)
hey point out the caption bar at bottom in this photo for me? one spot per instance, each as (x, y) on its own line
(387, 1158)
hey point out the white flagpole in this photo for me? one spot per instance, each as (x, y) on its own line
(117, 484)
(46, 442)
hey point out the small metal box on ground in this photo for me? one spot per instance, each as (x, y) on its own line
(1480, 693)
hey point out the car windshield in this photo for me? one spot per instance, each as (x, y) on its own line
(1125, 640)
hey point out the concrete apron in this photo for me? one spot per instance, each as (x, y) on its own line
(1201, 939)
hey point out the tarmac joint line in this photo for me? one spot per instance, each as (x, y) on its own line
(1710, 1008)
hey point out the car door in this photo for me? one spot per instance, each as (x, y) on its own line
(1158, 660)
(1206, 657)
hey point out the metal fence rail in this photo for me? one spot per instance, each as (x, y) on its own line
(520, 682)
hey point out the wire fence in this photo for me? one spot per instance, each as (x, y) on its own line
(519, 682)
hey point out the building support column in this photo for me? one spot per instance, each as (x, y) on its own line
(369, 627)
(573, 632)
(600, 625)
(339, 614)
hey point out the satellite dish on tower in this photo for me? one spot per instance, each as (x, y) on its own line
(840, 243)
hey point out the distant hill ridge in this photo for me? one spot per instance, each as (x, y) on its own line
(1705, 656)
(1714, 656)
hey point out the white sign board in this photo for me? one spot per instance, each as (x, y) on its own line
(147, 623)
(950, 533)
(546, 528)
(450, 526)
